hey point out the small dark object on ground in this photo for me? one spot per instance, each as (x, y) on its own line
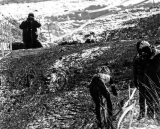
(89, 41)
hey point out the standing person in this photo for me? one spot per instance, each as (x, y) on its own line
(142, 71)
(30, 35)
(139, 67)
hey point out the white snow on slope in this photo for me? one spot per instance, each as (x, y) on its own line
(127, 3)
(49, 8)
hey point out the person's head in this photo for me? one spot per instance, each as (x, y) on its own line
(144, 48)
(31, 16)
(103, 69)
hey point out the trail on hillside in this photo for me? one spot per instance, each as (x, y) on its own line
(71, 108)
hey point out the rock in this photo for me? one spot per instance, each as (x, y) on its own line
(18, 45)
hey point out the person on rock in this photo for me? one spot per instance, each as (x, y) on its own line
(30, 35)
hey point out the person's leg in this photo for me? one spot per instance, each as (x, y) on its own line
(150, 104)
(104, 91)
(153, 72)
(151, 98)
(141, 102)
(141, 97)
(95, 96)
(106, 94)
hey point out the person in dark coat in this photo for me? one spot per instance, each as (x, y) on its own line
(30, 35)
(142, 72)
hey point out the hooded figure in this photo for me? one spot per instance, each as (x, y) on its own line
(146, 65)
(30, 35)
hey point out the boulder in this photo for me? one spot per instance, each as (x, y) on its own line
(18, 45)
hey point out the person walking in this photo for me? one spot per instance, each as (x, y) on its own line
(30, 35)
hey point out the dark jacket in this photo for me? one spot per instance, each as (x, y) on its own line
(139, 69)
(29, 28)
(139, 65)
(98, 84)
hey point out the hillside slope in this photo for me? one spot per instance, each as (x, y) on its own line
(72, 107)
(75, 112)
(23, 107)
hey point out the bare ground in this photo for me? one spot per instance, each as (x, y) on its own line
(73, 107)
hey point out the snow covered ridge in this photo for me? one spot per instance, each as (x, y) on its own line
(59, 7)
(47, 8)
(50, 9)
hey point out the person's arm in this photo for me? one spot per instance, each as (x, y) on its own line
(37, 24)
(23, 25)
(135, 73)
(113, 88)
